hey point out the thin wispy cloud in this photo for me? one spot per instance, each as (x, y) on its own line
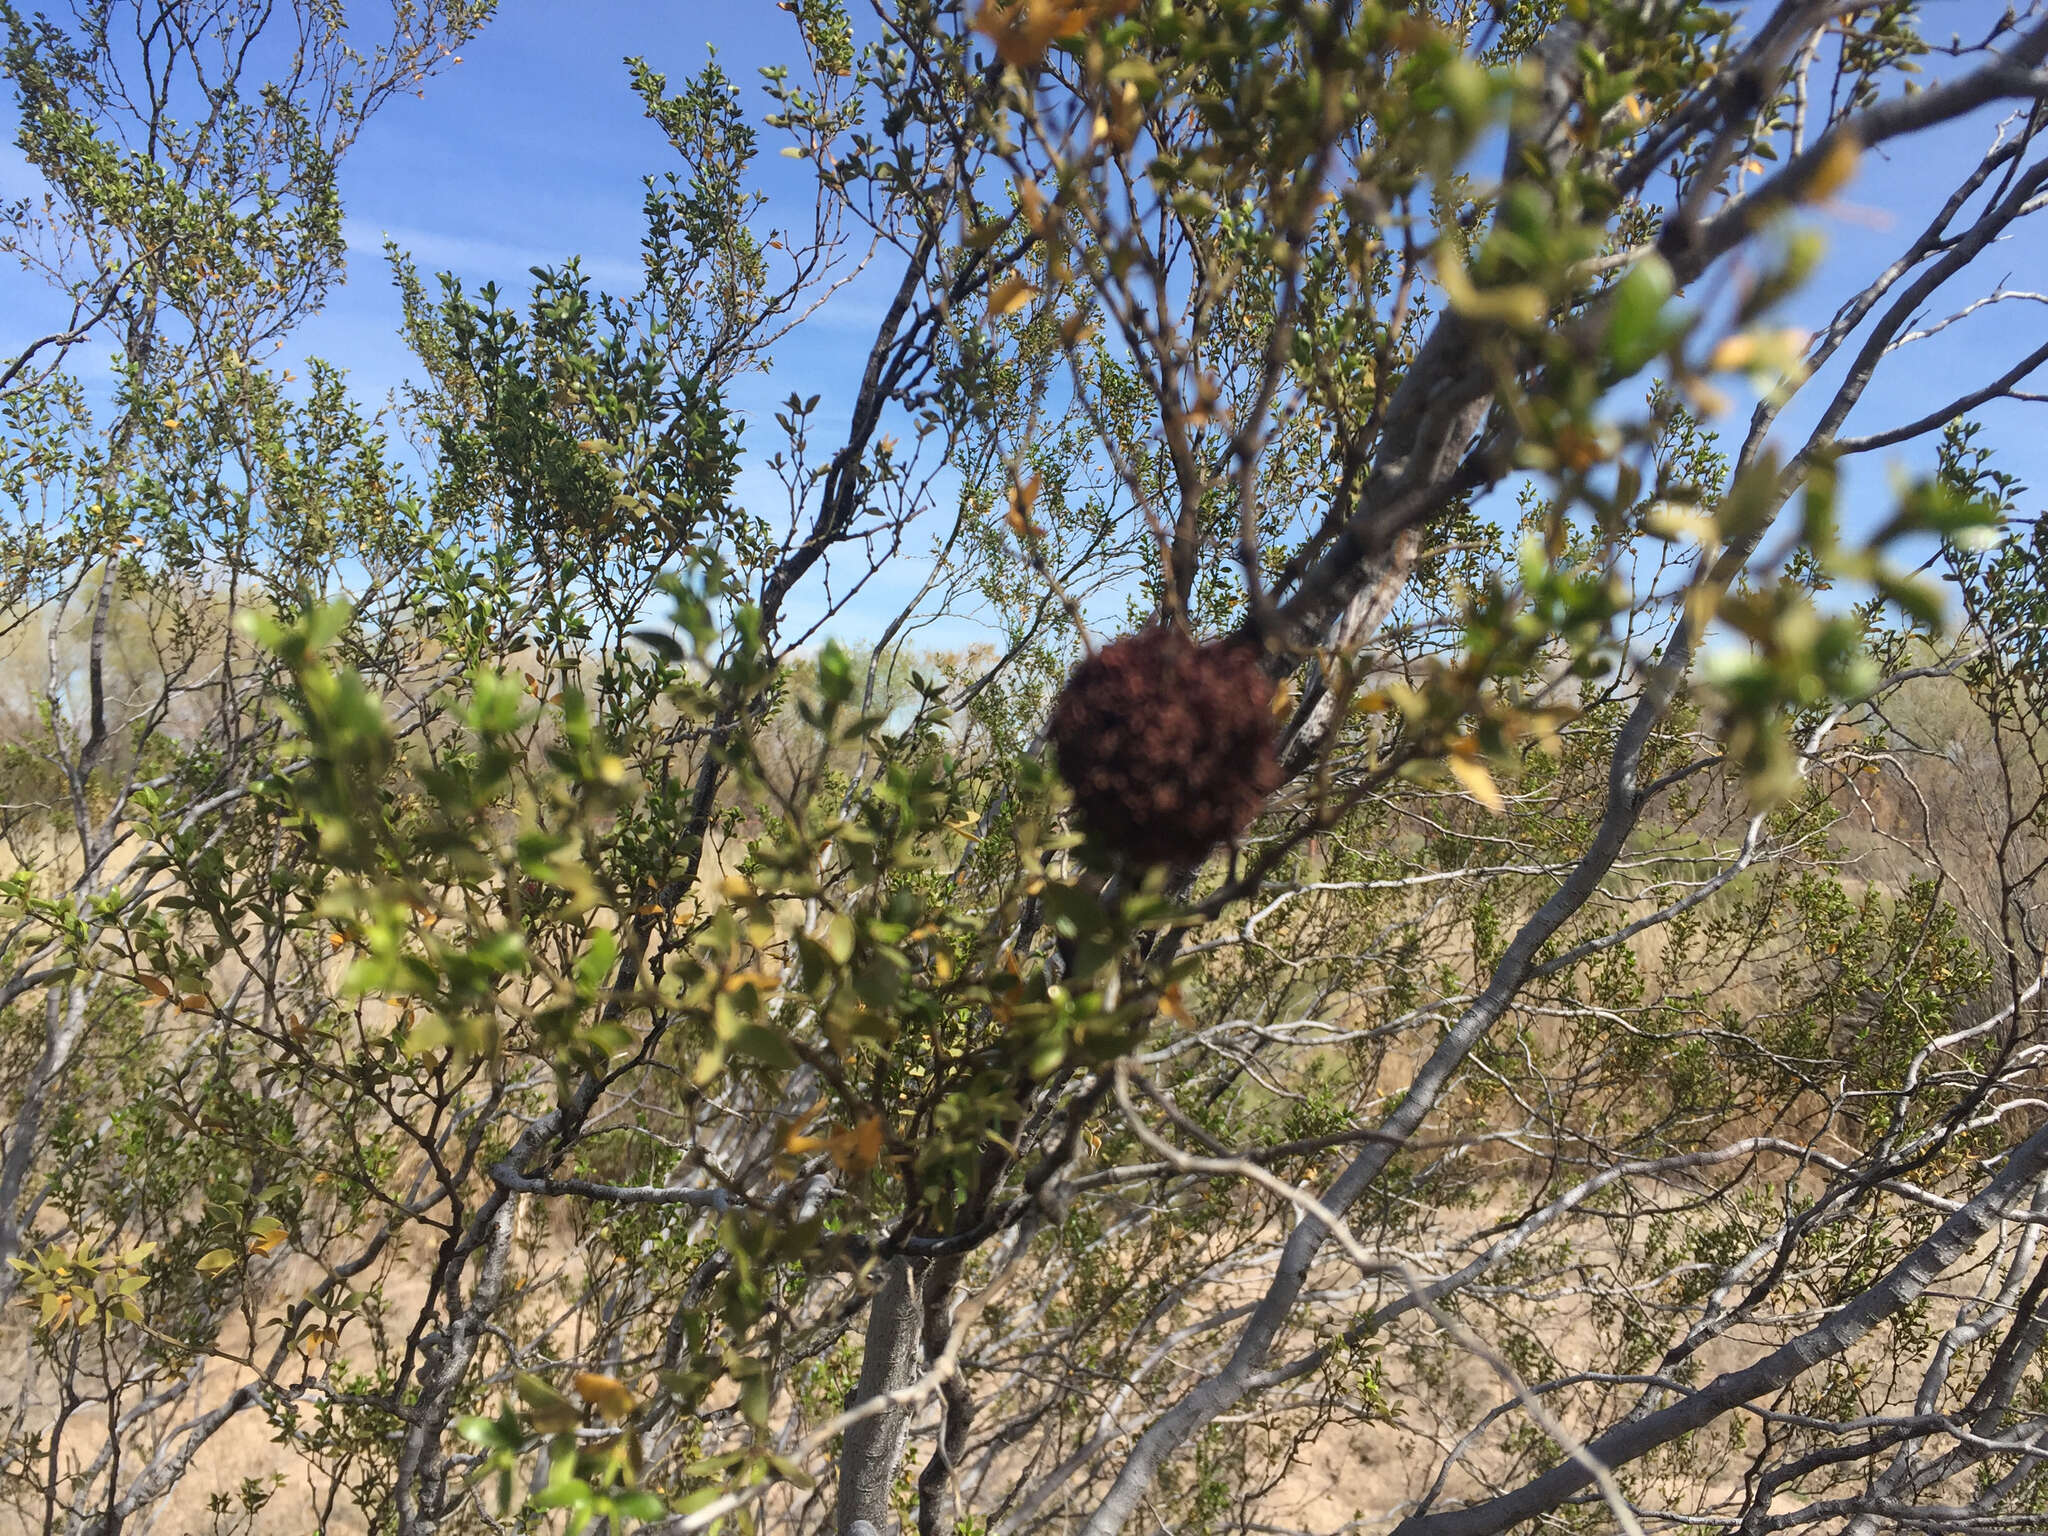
(477, 259)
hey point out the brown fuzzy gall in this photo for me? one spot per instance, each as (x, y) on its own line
(1168, 746)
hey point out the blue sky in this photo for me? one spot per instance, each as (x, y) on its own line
(533, 149)
(530, 151)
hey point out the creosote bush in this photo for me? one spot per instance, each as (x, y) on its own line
(508, 1025)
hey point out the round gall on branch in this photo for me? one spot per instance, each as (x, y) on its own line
(1168, 746)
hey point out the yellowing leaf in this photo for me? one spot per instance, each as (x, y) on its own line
(1033, 205)
(212, 1263)
(794, 1140)
(1676, 525)
(1766, 352)
(1520, 306)
(1704, 399)
(1733, 352)
(1836, 166)
(1543, 727)
(859, 1149)
(1477, 781)
(1012, 294)
(607, 1394)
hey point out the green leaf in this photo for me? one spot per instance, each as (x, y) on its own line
(569, 1492)
(640, 1505)
(764, 1045)
(595, 966)
(835, 674)
(1636, 330)
(839, 938)
(548, 1410)
(478, 1430)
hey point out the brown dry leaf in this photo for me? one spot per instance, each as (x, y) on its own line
(1023, 498)
(1012, 294)
(859, 1149)
(794, 1141)
(867, 1139)
(1580, 450)
(1031, 203)
(1023, 29)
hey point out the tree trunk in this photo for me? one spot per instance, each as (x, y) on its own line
(64, 1013)
(874, 1446)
